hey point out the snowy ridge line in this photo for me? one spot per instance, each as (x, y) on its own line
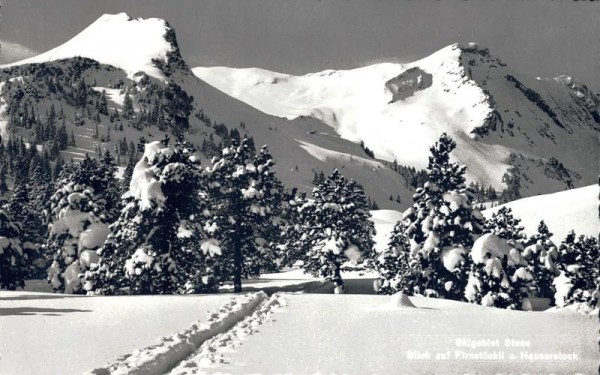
(162, 357)
(211, 351)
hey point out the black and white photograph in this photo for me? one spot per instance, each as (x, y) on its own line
(299, 187)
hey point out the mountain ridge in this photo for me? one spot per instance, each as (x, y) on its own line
(461, 89)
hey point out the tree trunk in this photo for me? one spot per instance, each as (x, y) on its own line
(337, 281)
(237, 265)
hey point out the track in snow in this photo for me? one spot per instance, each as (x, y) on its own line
(164, 356)
(212, 351)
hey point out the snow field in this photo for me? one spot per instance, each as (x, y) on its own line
(352, 334)
(212, 351)
(114, 95)
(160, 358)
(49, 334)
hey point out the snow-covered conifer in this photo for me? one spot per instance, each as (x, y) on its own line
(504, 225)
(441, 225)
(498, 275)
(20, 209)
(338, 228)
(542, 255)
(293, 241)
(155, 246)
(100, 176)
(245, 203)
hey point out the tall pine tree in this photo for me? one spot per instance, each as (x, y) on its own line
(245, 202)
(441, 225)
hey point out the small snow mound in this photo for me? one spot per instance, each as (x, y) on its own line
(579, 307)
(399, 299)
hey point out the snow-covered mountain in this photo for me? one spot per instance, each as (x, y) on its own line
(498, 118)
(140, 57)
(133, 45)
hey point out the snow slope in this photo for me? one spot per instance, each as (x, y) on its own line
(117, 40)
(575, 209)
(344, 334)
(400, 110)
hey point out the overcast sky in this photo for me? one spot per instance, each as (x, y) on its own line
(541, 38)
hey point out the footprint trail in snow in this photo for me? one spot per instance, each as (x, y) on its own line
(213, 351)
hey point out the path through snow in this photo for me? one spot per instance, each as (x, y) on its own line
(213, 352)
(171, 350)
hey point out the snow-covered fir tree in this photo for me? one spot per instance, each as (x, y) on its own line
(441, 225)
(245, 203)
(395, 264)
(155, 246)
(505, 225)
(542, 255)
(498, 276)
(20, 209)
(77, 229)
(13, 261)
(338, 226)
(128, 172)
(579, 265)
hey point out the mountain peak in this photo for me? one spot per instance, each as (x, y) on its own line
(107, 17)
(132, 44)
(468, 47)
